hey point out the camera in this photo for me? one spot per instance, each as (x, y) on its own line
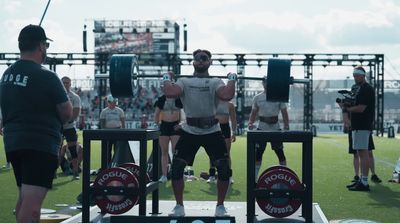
(348, 98)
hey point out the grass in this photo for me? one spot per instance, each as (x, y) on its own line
(332, 171)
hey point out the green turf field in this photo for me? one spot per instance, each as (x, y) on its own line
(332, 171)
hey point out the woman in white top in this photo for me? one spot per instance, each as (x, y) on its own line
(167, 115)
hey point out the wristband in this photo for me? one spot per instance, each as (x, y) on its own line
(232, 77)
(166, 77)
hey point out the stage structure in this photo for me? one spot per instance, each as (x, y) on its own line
(153, 38)
(174, 61)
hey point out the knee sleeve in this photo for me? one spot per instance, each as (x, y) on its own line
(280, 154)
(224, 171)
(260, 148)
(177, 169)
(72, 150)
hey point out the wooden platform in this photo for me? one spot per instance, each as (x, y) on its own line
(207, 208)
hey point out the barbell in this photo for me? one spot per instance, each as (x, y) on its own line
(125, 77)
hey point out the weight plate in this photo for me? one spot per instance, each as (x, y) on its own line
(279, 179)
(278, 80)
(116, 204)
(279, 167)
(124, 70)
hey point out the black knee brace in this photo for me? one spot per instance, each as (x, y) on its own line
(72, 150)
(224, 171)
(280, 154)
(177, 169)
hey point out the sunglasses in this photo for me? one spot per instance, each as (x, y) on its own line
(46, 44)
(201, 57)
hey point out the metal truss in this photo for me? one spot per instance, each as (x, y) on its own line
(174, 62)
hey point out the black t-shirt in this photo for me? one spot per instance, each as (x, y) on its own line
(29, 94)
(364, 120)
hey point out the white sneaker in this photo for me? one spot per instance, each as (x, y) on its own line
(163, 179)
(211, 180)
(178, 211)
(220, 211)
(231, 181)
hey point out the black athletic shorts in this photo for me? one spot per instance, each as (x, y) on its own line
(226, 130)
(33, 167)
(70, 135)
(213, 143)
(260, 148)
(371, 145)
(167, 128)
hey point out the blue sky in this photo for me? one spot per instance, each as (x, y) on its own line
(227, 26)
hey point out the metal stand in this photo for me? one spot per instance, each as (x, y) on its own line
(104, 135)
(293, 136)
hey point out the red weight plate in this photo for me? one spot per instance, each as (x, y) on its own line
(115, 204)
(279, 179)
(279, 167)
(133, 168)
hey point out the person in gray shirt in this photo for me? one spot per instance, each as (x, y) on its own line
(200, 96)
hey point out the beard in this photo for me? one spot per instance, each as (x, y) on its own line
(200, 69)
(44, 55)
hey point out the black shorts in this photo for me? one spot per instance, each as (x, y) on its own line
(260, 148)
(70, 135)
(213, 143)
(33, 167)
(371, 145)
(167, 128)
(226, 130)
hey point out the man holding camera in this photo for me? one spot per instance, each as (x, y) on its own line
(362, 117)
(356, 158)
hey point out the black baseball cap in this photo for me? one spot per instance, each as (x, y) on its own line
(32, 33)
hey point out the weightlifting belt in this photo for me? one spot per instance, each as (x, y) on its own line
(269, 120)
(203, 123)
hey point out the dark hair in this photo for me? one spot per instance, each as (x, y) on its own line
(202, 51)
(66, 78)
(28, 46)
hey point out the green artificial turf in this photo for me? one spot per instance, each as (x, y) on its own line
(332, 171)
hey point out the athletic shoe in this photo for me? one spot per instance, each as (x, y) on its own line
(351, 185)
(163, 179)
(211, 180)
(220, 211)
(359, 187)
(356, 179)
(375, 179)
(76, 176)
(231, 181)
(178, 211)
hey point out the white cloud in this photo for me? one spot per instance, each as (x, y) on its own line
(10, 6)
(230, 26)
